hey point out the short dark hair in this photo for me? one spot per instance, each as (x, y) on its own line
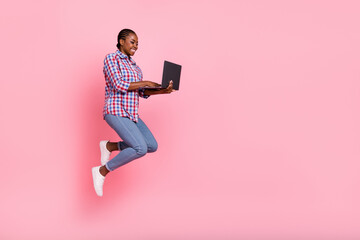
(122, 35)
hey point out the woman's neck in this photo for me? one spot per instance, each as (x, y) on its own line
(124, 53)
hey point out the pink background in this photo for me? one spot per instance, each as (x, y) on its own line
(261, 142)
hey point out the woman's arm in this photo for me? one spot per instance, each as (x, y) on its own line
(112, 70)
(136, 85)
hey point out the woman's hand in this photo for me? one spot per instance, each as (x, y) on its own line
(169, 89)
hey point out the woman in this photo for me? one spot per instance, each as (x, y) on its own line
(123, 87)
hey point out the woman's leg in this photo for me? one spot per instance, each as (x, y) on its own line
(148, 136)
(116, 146)
(131, 136)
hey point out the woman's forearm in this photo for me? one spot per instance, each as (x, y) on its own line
(155, 91)
(137, 85)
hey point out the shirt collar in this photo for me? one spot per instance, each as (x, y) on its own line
(122, 55)
(118, 52)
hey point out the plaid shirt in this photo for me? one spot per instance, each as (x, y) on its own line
(119, 72)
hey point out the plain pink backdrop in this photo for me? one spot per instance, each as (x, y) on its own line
(261, 142)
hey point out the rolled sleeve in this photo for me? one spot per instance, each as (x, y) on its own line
(142, 93)
(112, 70)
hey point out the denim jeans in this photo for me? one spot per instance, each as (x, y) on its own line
(137, 140)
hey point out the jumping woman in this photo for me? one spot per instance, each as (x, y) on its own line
(123, 86)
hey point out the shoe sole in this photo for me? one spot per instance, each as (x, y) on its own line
(103, 162)
(93, 171)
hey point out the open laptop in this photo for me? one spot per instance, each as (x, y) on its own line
(172, 72)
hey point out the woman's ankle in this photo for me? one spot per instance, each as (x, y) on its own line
(111, 146)
(103, 170)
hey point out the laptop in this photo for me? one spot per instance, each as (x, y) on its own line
(172, 72)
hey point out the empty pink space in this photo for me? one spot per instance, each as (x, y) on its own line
(261, 142)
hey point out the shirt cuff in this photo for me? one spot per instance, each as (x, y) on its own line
(142, 93)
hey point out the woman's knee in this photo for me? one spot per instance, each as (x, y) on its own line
(153, 147)
(141, 149)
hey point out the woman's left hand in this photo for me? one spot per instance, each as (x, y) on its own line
(169, 89)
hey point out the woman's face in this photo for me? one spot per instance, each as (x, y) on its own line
(129, 45)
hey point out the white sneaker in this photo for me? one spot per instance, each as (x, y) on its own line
(98, 180)
(105, 154)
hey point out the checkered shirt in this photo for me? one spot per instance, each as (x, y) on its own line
(119, 72)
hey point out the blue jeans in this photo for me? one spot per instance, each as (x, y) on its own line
(137, 140)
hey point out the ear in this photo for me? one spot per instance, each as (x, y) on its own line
(122, 42)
